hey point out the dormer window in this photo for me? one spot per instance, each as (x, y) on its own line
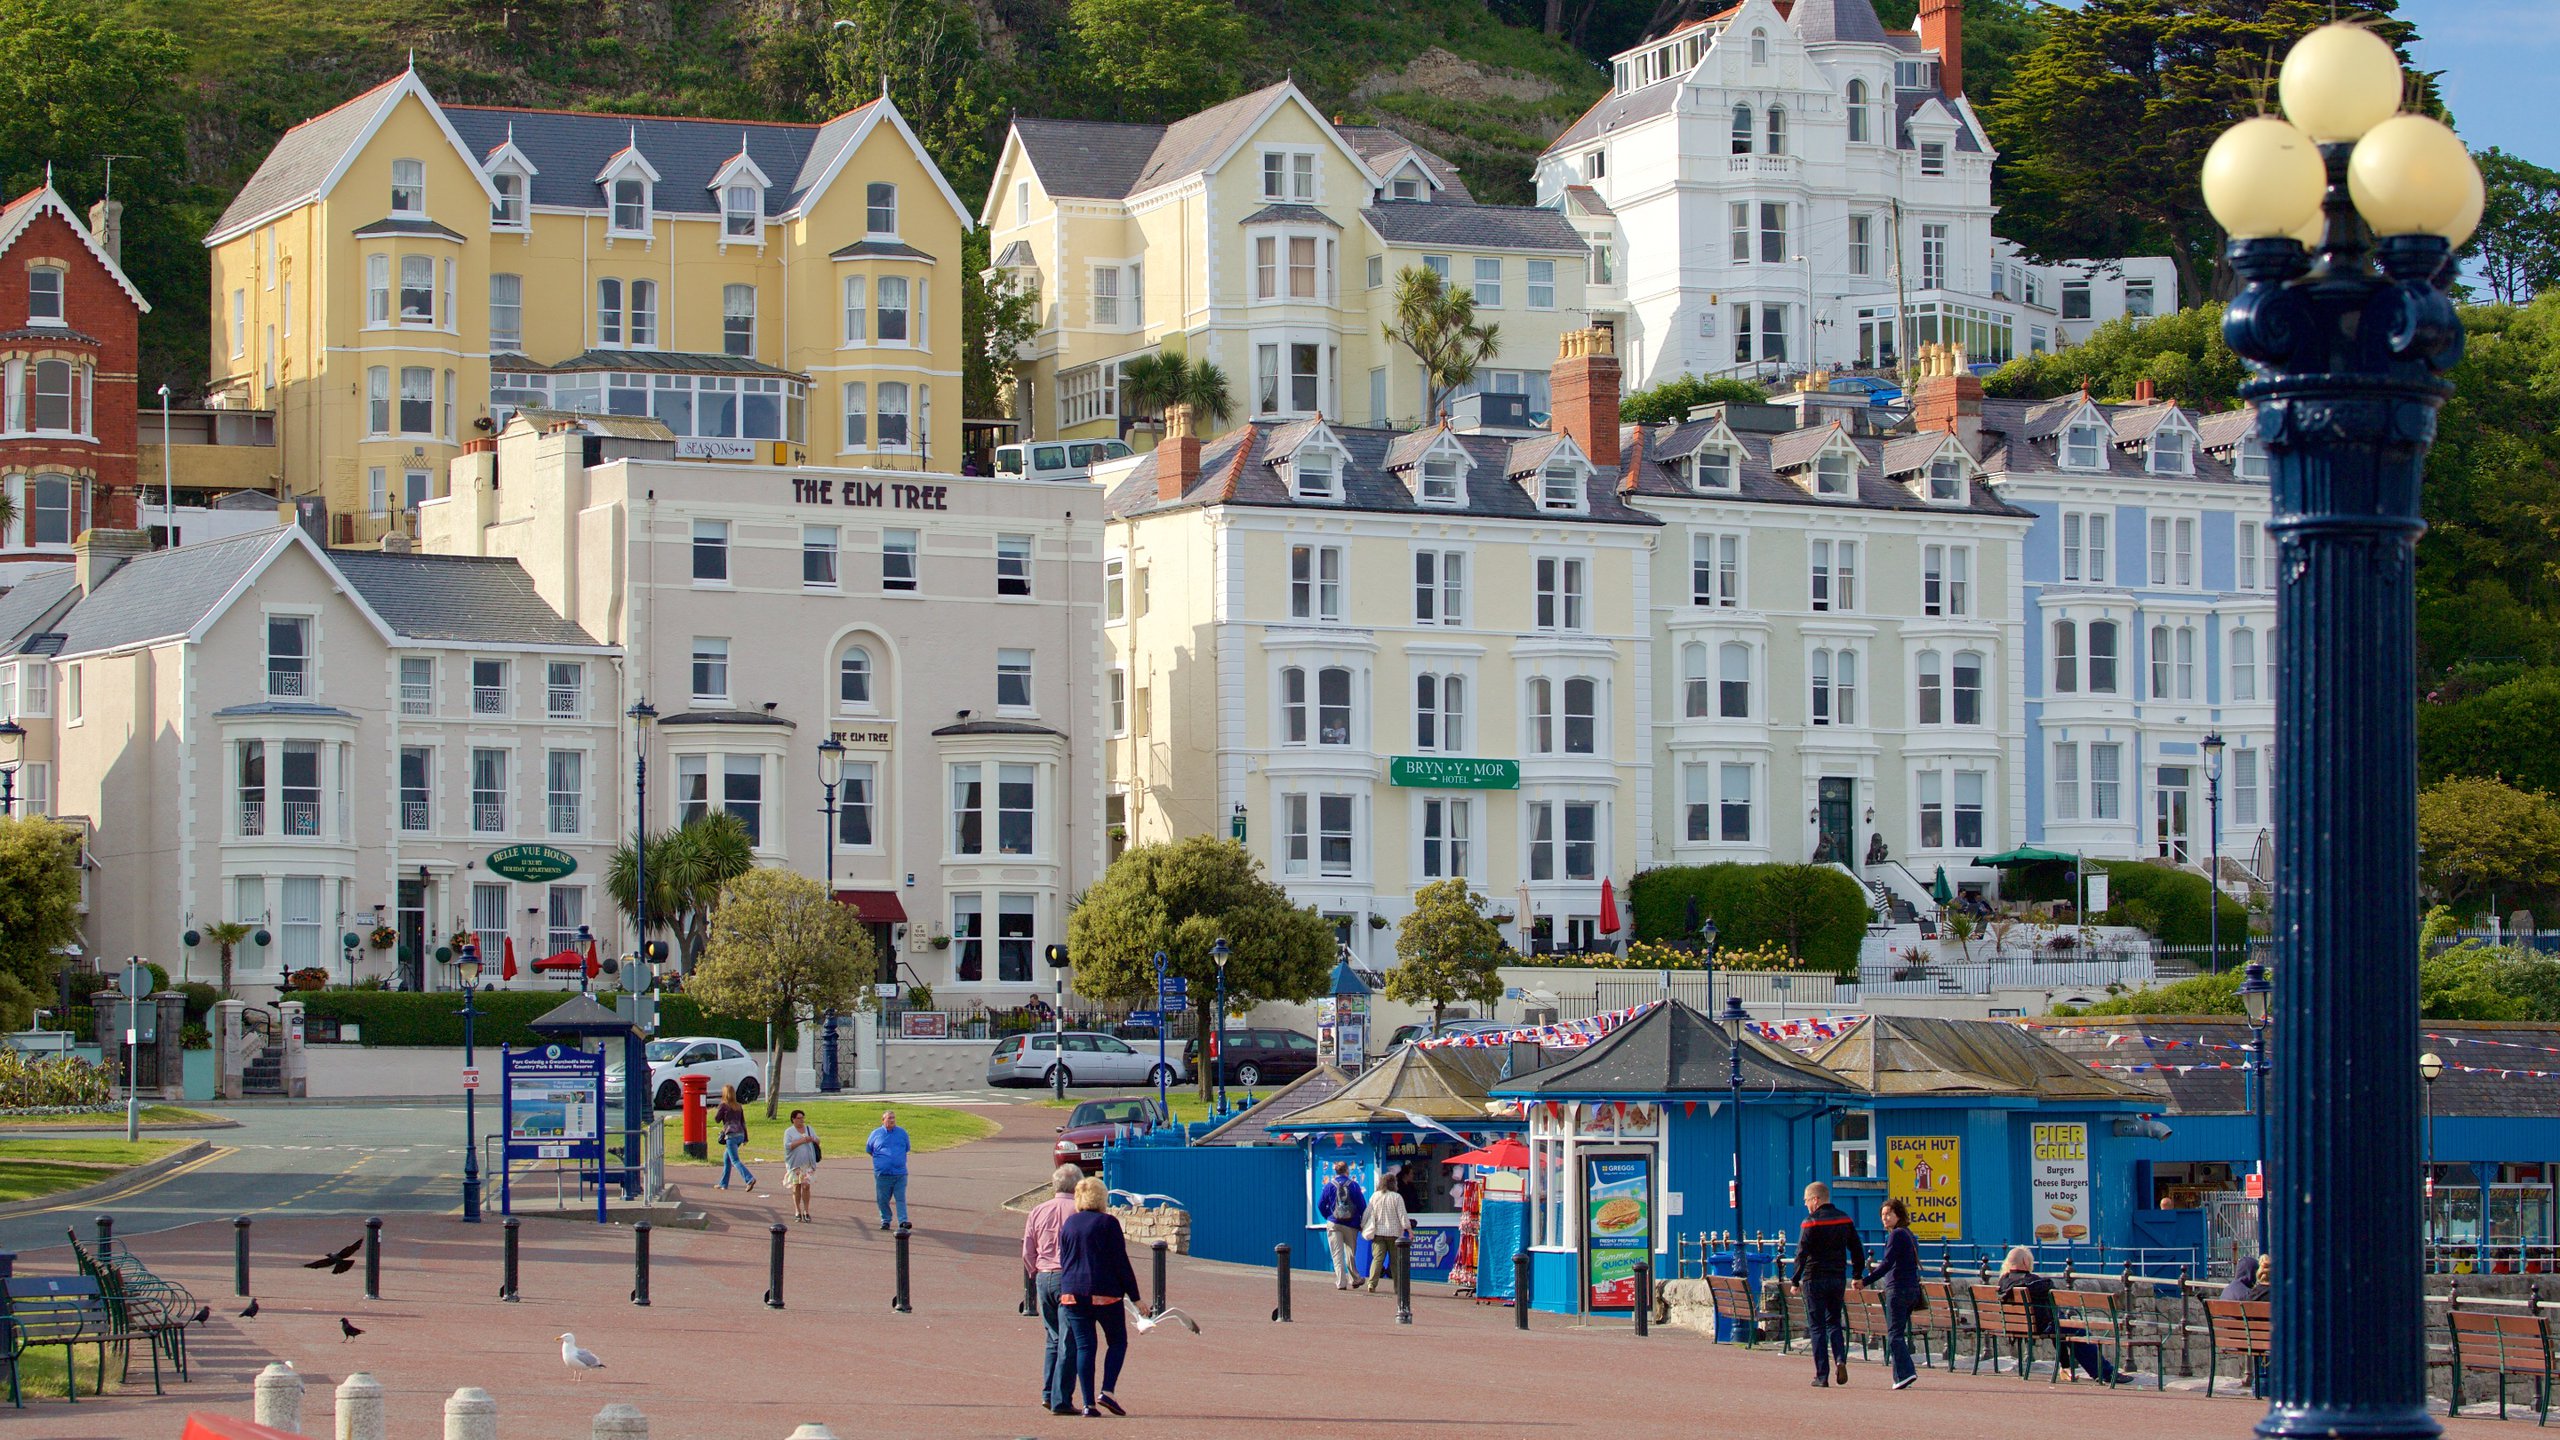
(1713, 468)
(1933, 157)
(2249, 462)
(1946, 480)
(1831, 472)
(1440, 474)
(1759, 47)
(44, 296)
(408, 187)
(2084, 447)
(1560, 486)
(2172, 451)
(1405, 187)
(741, 212)
(631, 206)
(508, 211)
(1313, 475)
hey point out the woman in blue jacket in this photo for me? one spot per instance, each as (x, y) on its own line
(1897, 1277)
(1094, 1277)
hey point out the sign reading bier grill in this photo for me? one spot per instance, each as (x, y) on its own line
(1447, 773)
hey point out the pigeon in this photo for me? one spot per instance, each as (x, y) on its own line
(1172, 1314)
(203, 1313)
(252, 1312)
(336, 1262)
(575, 1358)
(346, 1329)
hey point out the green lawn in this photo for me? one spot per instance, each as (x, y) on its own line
(34, 1179)
(87, 1149)
(842, 1126)
(1187, 1106)
(40, 1373)
(151, 1115)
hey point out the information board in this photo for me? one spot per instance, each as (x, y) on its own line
(2058, 1181)
(552, 1108)
(1617, 1228)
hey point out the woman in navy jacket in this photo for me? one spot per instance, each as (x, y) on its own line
(1897, 1276)
(1094, 1277)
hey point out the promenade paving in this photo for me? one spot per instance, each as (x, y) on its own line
(708, 1361)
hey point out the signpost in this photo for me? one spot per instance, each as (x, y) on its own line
(139, 1026)
(553, 1109)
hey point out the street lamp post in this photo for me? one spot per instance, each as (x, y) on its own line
(2212, 748)
(2256, 997)
(1735, 1020)
(1218, 952)
(469, 969)
(12, 736)
(2430, 1066)
(642, 715)
(2348, 343)
(830, 775)
(1058, 1019)
(1163, 1100)
(1706, 932)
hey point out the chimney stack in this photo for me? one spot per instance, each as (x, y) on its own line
(2143, 394)
(1583, 387)
(106, 222)
(1948, 396)
(1177, 455)
(96, 553)
(1942, 29)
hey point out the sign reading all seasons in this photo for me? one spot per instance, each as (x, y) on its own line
(1926, 1173)
(1446, 773)
(532, 864)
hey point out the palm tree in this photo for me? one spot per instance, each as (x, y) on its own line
(687, 868)
(227, 935)
(1438, 324)
(1151, 382)
(1204, 389)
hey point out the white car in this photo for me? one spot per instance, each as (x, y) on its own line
(720, 1062)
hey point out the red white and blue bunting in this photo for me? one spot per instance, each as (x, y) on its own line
(1563, 1035)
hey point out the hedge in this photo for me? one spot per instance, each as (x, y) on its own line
(406, 1017)
(1751, 905)
(2174, 906)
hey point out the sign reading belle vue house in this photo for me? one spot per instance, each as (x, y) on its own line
(532, 864)
(1453, 774)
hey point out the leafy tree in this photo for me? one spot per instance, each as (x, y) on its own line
(1822, 917)
(1437, 322)
(997, 318)
(39, 910)
(927, 54)
(2182, 355)
(782, 950)
(1997, 35)
(1158, 60)
(1166, 378)
(688, 868)
(226, 936)
(2488, 585)
(2201, 995)
(2467, 982)
(2479, 837)
(1447, 950)
(1674, 399)
(1181, 898)
(2517, 247)
(2503, 730)
(2105, 123)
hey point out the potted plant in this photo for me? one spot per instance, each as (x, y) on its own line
(1377, 922)
(384, 937)
(310, 977)
(941, 941)
(920, 997)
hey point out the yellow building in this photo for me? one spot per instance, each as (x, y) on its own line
(1264, 237)
(400, 275)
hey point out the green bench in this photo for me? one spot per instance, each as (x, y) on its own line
(140, 1302)
(2508, 1346)
(70, 1311)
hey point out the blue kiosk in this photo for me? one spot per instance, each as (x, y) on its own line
(1408, 1113)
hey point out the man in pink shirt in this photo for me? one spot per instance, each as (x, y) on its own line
(1040, 1262)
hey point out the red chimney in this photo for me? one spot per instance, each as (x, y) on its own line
(1583, 387)
(2143, 394)
(1948, 396)
(1942, 30)
(1177, 455)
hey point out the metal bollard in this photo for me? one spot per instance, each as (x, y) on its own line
(1030, 1302)
(640, 1264)
(507, 1288)
(1404, 1281)
(106, 1235)
(1644, 1297)
(1520, 1289)
(1280, 1260)
(373, 1258)
(240, 1255)
(1158, 1275)
(773, 1269)
(898, 1302)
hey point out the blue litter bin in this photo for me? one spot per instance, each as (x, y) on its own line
(1721, 1263)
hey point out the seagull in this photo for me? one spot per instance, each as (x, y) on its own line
(575, 1358)
(203, 1313)
(1146, 1322)
(336, 1262)
(1425, 1121)
(252, 1312)
(1138, 1198)
(347, 1329)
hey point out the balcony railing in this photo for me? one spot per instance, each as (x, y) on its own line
(488, 818)
(302, 817)
(417, 700)
(413, 815)
(285, 677)
(564, 817)
(488, 700)
(565, 704)
(253, 817)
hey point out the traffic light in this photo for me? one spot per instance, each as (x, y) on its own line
(1056, 956)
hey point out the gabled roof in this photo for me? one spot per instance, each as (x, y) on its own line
(1908, 103)
(44, 200)
(1904, 454)
(1615, 111)
(1585, 200)
(312, 155)
(2024, 437)
(1827, 21)
(169, 594)
(1799, 448)
(1911, 1055)
(487, 600)
(1383, 150)
(30, 607)
(2225, 429)
(1758, 479)
(1253, 1127)
(1110, 160)
(1474, 227)
(1673, 1049)
(2193, 1064)
(1447, 1085)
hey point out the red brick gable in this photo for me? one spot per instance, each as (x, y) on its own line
(99, 334)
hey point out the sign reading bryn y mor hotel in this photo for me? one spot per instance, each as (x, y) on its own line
(871, 494)
(1448, 774)
(532, 864)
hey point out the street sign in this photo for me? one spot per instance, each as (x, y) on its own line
(1173, 985)
(471, 1078)
(2255, 1186)
(1146, 1017)
(1173, 1004)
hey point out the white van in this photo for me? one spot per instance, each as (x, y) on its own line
(1058, 459)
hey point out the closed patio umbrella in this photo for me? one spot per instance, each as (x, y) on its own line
(1940, 890)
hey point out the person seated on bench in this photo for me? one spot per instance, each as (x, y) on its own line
(2250, 1281)
(2021, 1285)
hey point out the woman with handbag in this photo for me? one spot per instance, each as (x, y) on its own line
(732, 1119)
(1897, 1277)
(800, 1156)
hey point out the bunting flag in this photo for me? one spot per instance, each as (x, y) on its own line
(2114, 1038)
(1563, 1035)
(1807, 1033)
(2461, 1040)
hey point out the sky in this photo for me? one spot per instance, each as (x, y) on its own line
(2495, 57)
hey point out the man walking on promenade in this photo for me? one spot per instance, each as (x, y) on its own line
(1342, 1205)
(888, 1150)
(1828, 1252)
(1040, 1262)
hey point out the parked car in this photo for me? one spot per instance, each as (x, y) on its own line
(720, 1062)
(1259, 1057)
(1096, 1123)
(1087, 1056)
(1407, 1033)
(1877, 391)
(1057, 459)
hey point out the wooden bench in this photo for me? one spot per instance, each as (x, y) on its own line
(49, 1310)
(2239, 1328)
(1995, 1320)
(140, 1302)
(1943, 1316)
(1862, 1316)
(2507, 1346)
(2104, 1318)
(1731, 1295)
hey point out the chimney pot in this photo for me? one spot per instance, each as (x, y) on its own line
(1948, 396)
(1177, 454)
(106, 223)
(1583, 387)
(2143, 394)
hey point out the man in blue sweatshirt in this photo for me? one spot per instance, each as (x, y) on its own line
(887, 1148)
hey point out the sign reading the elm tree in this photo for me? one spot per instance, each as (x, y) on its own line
(532, 864)
(1453, 774)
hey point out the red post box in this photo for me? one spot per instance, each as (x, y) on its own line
(697, 1128)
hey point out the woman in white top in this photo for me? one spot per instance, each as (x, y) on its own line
(1387, 1222)
(800, 1162)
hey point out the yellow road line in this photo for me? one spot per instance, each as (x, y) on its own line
(146, 1187)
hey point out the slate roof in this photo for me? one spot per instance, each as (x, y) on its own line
(1760, 480)
(1616, 111)
(1673, 1049)
(1915, 1056)
(726, 717)
(290, 709)
(1015, 256)
(468, 598)
(1253, 1127)
(1288, 214)
(2206, 1089)
(1473, 227)
(1190, 143)
(1440, 1084)
(671, 362)
(1585, 200)
(27, 607)
(881, 249)
(2023, 437)
(2225, 429)
(1853, 21)
(1235, 468)
(1383, 150)
(1907, 103)
(996, 727)
(407, 225)
(165, 593)
(302, 158)
(1087, 159)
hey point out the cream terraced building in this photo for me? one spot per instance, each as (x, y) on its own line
(1267, 239)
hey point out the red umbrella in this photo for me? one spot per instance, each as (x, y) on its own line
(593, 967)
(1508, 1153)
(560, 962)
(508, 970)
(1608, 906)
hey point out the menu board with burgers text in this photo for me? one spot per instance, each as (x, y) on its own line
(2058, 1182)
(1926, 1173)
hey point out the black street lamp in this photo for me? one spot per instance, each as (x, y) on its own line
(830, 775)
(2430, 1066)
(2212, 748)
(12, 736)
(469, 969)
(1736, 1020)
(2257, 996)
(1218, 952)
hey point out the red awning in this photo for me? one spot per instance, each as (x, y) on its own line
(564, 961)
(877, 907)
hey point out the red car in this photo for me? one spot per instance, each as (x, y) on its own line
(1096, 1123)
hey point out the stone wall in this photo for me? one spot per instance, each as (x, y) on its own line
(1145, 1227)
(934, 1066)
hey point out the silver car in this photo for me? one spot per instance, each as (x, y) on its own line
(1089, 1058)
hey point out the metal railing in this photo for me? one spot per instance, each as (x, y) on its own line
(301, 817)
(414, 815)
(1984, 976)
(253, 817)
(488, 818)
(565, 702)
(488, 700)
(564, 817)
(285, 677)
